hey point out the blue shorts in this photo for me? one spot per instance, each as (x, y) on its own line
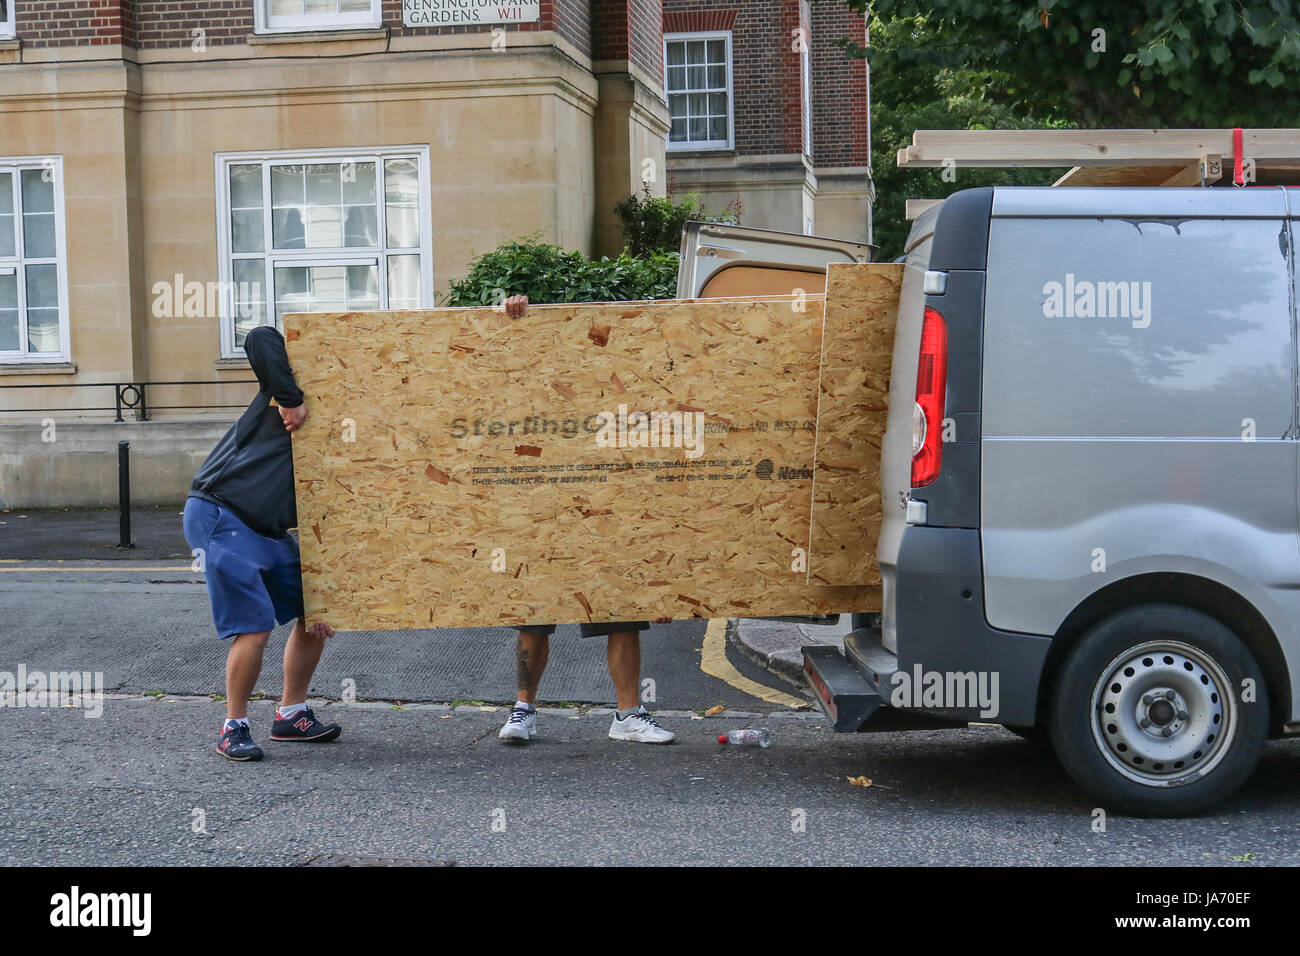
(254, 582)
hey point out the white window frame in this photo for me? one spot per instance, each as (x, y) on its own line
(264, 22)
(14, 165)
(8, 28)
(698, 146)
(319, 256)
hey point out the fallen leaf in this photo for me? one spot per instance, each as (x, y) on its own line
(714, 711)
(859, 781)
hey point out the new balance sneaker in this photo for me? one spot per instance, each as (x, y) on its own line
(236, 743)
(640, 727)
(304, 726)
(520, 726)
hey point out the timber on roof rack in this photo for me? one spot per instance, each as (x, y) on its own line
(1117, 157)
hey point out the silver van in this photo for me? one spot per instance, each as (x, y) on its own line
(1091, 531)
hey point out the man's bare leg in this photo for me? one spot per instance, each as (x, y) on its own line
(294, 720)
(243, 664)
(301, 655)
(530, 660)
(624, 656)
(631, 722)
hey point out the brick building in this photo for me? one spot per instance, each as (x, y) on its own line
(766, 107)
(175, 172)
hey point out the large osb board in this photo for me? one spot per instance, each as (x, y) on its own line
(472, 490)
(853, 404)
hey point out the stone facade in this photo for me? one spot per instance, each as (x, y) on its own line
(524, 133)
(521, 128)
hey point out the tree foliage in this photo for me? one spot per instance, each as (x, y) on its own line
(1170, 63)
(913, 97)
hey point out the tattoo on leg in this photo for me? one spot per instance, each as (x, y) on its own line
(523, 674)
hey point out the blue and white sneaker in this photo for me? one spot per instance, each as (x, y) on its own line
(236, 743)
(520, 726)
(305, 726)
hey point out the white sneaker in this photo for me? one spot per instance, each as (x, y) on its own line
(520, 727)
(640, 727)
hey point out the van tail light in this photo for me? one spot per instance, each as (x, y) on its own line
(931, 387)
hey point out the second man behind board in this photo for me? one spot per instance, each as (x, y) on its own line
(631, 721)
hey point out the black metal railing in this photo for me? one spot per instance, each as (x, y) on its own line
(129, 396)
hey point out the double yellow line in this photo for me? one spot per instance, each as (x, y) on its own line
(713, 661)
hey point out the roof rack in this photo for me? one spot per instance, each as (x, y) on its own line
(1120, 157)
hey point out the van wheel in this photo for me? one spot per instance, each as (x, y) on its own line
(1148, 715)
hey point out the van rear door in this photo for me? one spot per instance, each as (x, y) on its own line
(719, 260)
(896, 449)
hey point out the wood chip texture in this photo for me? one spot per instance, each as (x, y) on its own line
(459, 468)
(857, 346)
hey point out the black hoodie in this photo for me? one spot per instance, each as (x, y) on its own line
(250, 472)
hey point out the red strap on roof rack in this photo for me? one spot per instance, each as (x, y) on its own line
(1238, 177)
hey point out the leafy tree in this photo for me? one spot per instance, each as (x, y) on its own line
(912, 97)
(1171, 63)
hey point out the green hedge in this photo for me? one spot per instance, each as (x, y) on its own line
(654, 225)
(547, 273)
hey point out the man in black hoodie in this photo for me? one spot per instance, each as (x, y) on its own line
(237, 518)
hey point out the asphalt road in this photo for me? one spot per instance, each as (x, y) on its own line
(426, 786)
(146, 627)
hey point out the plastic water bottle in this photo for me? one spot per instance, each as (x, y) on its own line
(747, 738)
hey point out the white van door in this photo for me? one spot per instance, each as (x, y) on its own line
(719, 260)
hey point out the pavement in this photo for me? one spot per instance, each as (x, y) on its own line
(777, 644)
(91, 533)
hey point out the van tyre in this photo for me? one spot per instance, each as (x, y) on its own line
(1148, 714)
